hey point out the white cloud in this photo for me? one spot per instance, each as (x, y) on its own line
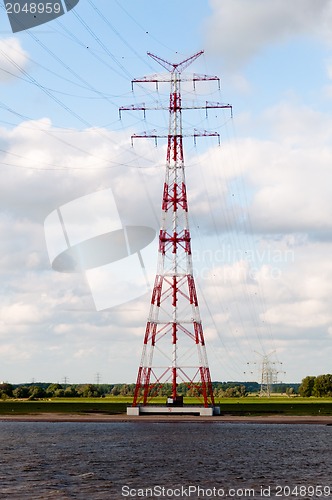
(280, 183)
(51, 315)
(50, 166)
(19, 313)
(239, 29)
(288, 311)
(13, 58)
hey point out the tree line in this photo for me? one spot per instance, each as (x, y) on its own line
(50, 390)
(319, 387)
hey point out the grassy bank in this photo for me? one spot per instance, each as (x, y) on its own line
(117, 405)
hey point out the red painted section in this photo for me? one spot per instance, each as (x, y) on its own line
(174, 383)
(204, 387)
(187, 240)
(164, 205)
(184, 197)
(174, 291)
(137, 386)
(192, 291)
(147, 333)
(146, 385)
(156, 293)
(153, 334)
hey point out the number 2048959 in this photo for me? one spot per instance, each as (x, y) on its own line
(33, 8)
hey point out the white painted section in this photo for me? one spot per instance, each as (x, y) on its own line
(133, 410)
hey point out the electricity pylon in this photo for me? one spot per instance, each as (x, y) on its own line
(269, 374)
(174, 346)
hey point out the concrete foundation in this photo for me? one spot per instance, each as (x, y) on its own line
(173, 410)
(133, 410)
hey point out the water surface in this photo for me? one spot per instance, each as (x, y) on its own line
(92, 461)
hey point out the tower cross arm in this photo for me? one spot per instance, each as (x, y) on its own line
(144, 108)
(218, 105)
(205, 133)
(215, 105)
(204, 78)
(155, 78)
(172, 68)
(154, 135)
(178, 67)
(210, 105)
(132, 107)
(166, 78)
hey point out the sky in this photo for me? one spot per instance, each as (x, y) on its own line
(260, 203)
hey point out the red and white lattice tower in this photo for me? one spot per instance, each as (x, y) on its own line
(174, 347)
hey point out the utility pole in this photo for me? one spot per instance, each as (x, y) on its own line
(174, 346)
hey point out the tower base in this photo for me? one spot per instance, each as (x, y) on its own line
(173, 410)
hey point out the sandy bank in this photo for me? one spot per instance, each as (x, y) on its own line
(98, 417)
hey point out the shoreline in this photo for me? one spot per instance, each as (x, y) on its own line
(102, 418)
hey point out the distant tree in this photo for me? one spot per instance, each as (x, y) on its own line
(192, 392)
(59, 393)
(124, 390)
(323, 386)
(290, 391)
(220, 393)
(103, 389)
(88, 391)
(231, 392)
(52, 390)
(306, 387)
(238, 391)
(36, 392)
(182, 389)
(116, 390)
(6, 391)
(70, 392)
(243, 391)
(21, 392)
(131, 389)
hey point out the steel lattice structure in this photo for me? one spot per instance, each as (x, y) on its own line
(269, 375)
(174, 347)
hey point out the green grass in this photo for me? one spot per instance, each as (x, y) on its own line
(277, 406)
(82, 406)
(118, 404)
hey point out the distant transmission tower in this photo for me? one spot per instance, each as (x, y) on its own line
(174, 333)
(269, 375)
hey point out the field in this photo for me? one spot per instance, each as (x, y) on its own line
(250, 406)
